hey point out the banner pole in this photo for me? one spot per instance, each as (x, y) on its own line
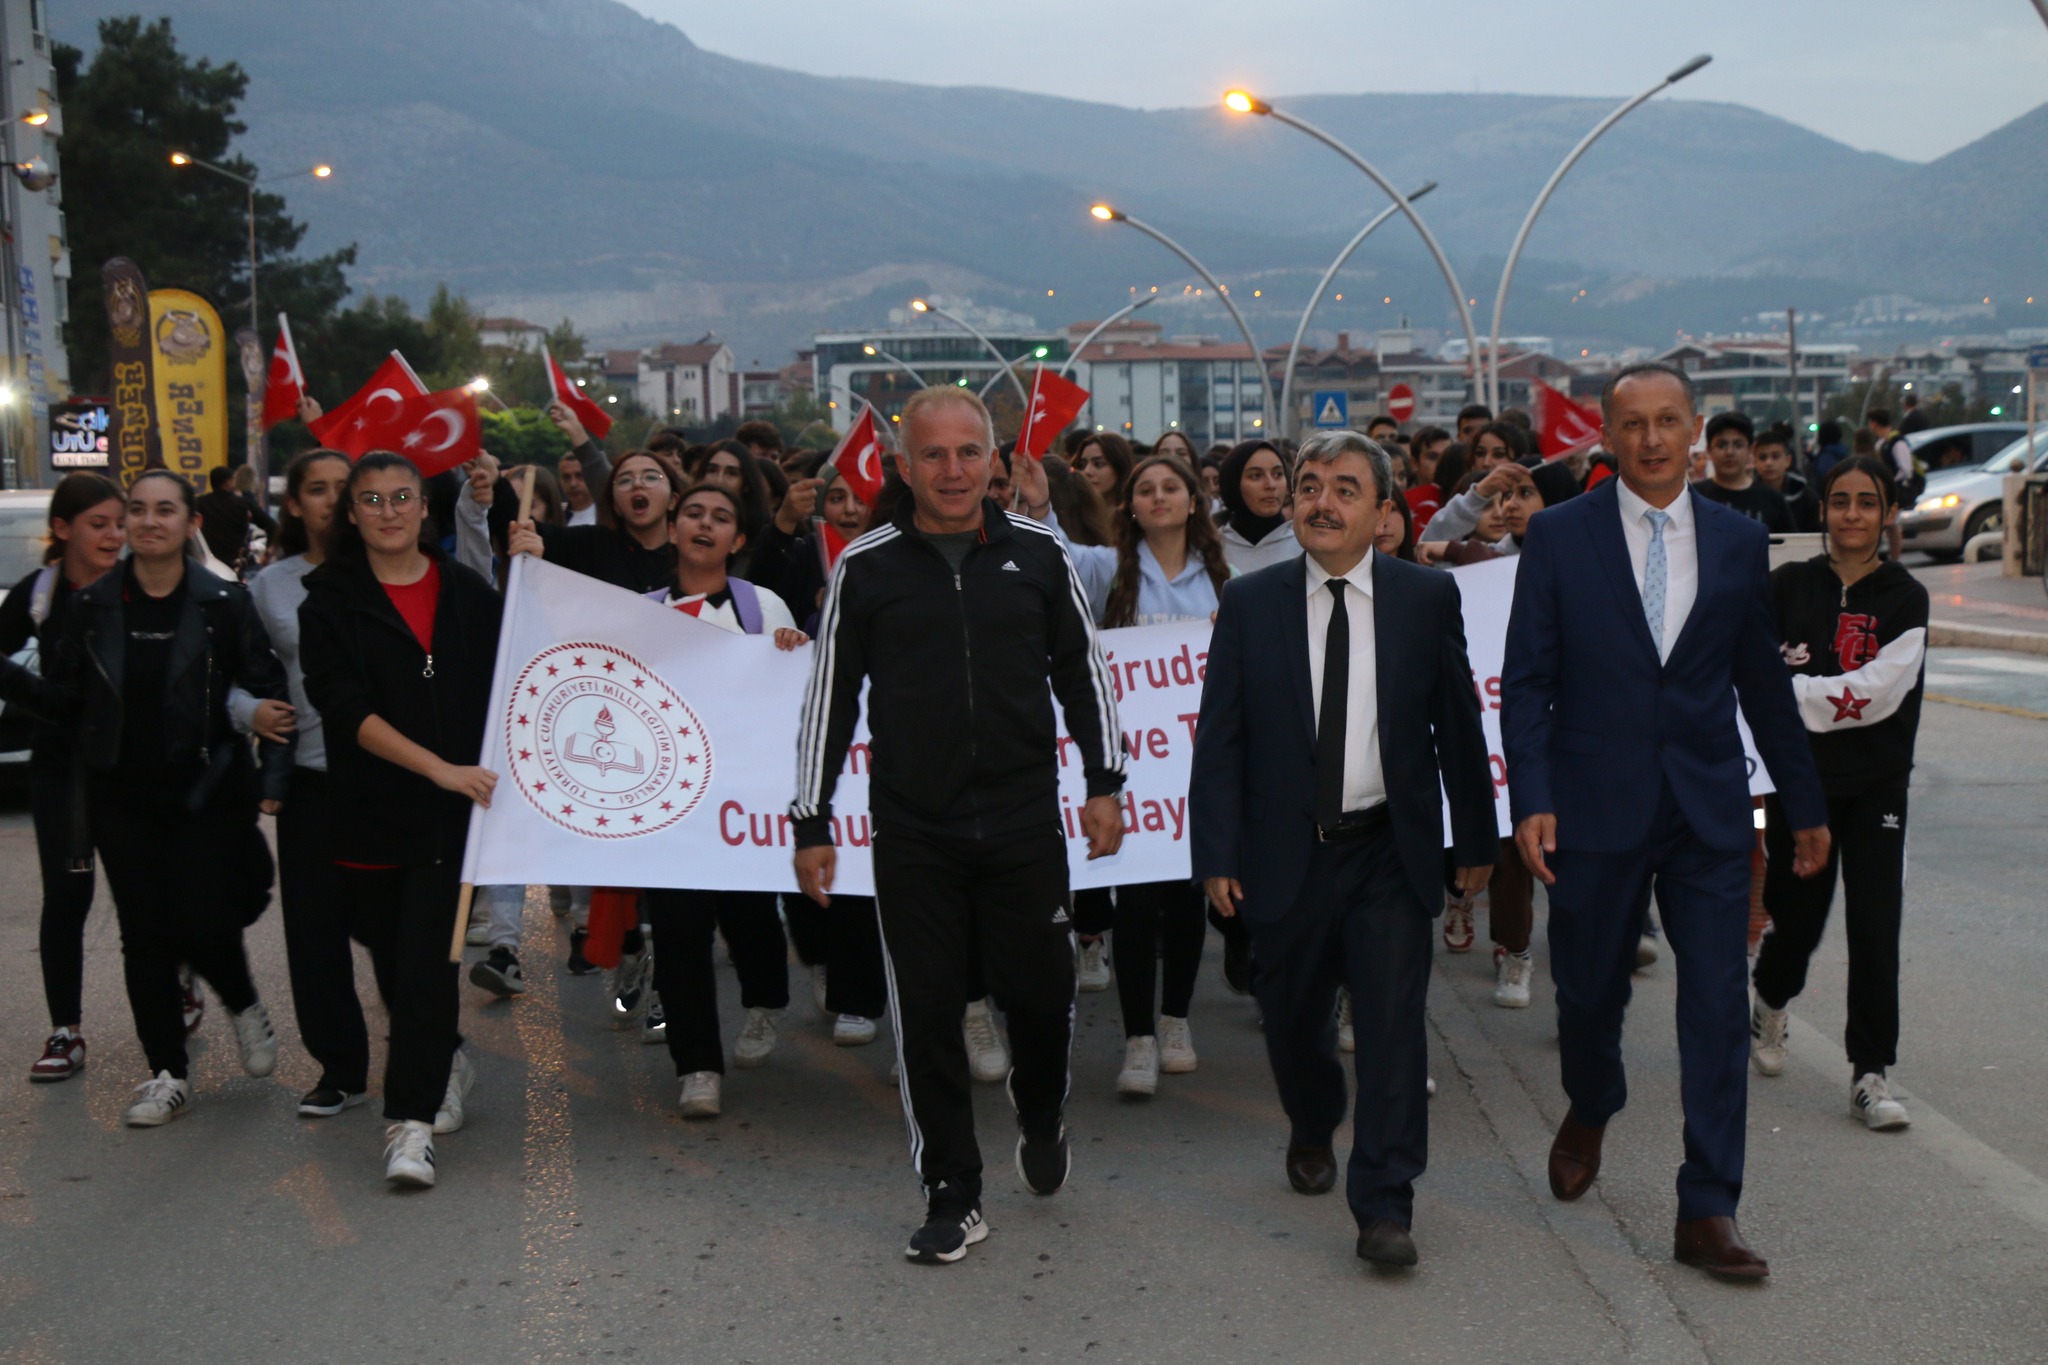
(476, 812)
(462, 903)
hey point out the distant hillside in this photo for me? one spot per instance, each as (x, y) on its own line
(573, 157)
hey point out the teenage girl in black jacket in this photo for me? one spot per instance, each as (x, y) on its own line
(1854, 629)
(140, 678)
(398, 642)
(85, 542)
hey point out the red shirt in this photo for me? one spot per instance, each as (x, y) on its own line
(416, 601)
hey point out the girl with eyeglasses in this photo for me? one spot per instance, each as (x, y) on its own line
(398, 642)
(140, 678)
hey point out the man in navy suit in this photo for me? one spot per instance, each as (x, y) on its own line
(1337, 709)
(1642, 614)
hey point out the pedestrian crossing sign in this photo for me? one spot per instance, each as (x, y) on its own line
(1332, 408)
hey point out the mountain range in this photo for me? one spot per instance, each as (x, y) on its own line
(574, 158)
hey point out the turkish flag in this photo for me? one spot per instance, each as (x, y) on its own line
(595, 419)
(435, 431)
(1055, 401)
(831, 544)
(285, 384)
(343, 429)
(1563, 425)
(858, 457)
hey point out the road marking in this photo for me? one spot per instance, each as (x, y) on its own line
(1998, 663)
(1992, 706)
(1991, 1172)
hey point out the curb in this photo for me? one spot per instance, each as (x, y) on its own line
(1986, 637)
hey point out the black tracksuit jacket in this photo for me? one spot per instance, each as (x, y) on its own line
(963, 732)
(1857, 655)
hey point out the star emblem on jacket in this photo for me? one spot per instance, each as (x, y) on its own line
(1849, 706)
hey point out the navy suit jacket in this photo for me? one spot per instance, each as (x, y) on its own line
(1252, 788)
(1591, 721)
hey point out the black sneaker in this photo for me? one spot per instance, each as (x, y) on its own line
(578, 964)
(325, 1101)
(654, 1024)
(499, 974)
(946, 1235)
(1043, 1162)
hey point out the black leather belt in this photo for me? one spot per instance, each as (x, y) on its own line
(1356, 824)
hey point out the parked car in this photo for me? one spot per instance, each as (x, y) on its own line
(1967, 501)
(1941, 450)
(24, 521)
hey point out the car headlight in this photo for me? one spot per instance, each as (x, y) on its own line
(1939, 502)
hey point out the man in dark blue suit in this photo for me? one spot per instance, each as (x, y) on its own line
(1337, 710)
(1642, 615)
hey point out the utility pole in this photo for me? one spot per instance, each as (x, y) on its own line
(1792, 367)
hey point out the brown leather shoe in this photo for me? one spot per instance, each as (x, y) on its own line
(1311, 1170)
(1715, 1246)
(1574, 1158)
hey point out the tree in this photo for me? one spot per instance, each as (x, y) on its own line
(138, 101)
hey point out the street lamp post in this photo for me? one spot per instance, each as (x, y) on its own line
(1102, 326)
(259, 455)
(1507, 274)
(1104, 213)
(926, 306)
(1301, 328)
(1243, 103)
(870, 348)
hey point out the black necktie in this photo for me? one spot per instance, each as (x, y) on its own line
(1330, 717)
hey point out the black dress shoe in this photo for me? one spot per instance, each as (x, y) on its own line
(1311, 1170)
(1386, 1243)
(1715, 1246)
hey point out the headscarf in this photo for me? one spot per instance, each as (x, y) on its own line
(1253, 528)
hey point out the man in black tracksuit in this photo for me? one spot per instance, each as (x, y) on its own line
(958, 615)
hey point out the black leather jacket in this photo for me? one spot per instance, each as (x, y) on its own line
(220, 644)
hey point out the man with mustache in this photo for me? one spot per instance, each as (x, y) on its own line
(1338, 703)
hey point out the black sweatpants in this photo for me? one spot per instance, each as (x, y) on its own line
(67, 894)
(405, 917)
(948, 906)
(1094, 912)
(686, 978)
(181, 898)
(1159, 932)
(844, 938)
(1869, 847)
(317, 949)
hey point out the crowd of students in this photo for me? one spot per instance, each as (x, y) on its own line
(344, 690)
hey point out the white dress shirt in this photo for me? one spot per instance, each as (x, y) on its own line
(1681, 557)
(1365, 782)
(587, 517)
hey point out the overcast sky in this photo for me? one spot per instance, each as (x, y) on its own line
(1914, 78)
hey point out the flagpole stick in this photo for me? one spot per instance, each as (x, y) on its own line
(526, 492)
(462, 903)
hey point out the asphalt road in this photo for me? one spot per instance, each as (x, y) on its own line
(578, 1218)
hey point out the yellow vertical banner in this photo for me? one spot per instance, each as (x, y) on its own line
(188, 354)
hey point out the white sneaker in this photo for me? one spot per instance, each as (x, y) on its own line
(1347, 1036)
(1767, 1029)
(256, 1039)
(1092, 973)
(988, 1058)
(699, 1099)
(1140, 1075)
(1511, 979)
(757, 1038)
(850, 1030)
(1870, 1099)
(1176, 1046)
(479, 932)
(818, 990)
(1457, 931)
(1646, 953)
(164, 1097)
(409, 1154)
(1429, 1086)
(461, 1078)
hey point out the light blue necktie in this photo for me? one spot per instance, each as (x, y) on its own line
(1654, 575)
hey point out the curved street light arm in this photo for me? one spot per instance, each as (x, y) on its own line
(1117, 316)
(1315, 299)
(1244, 329)
(1443, 263)
(1507, 274)
(990, 346)
(898, 360)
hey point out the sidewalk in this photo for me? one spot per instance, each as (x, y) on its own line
(1975, 605)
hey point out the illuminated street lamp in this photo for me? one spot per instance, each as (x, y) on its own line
(1507, 273)
(869, 348)
(926, 306)
(1104, 213)
(1242, 102)
(1301, 328)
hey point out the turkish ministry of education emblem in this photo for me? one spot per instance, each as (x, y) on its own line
(601, 746)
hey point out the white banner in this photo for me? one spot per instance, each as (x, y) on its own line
(637, 746)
